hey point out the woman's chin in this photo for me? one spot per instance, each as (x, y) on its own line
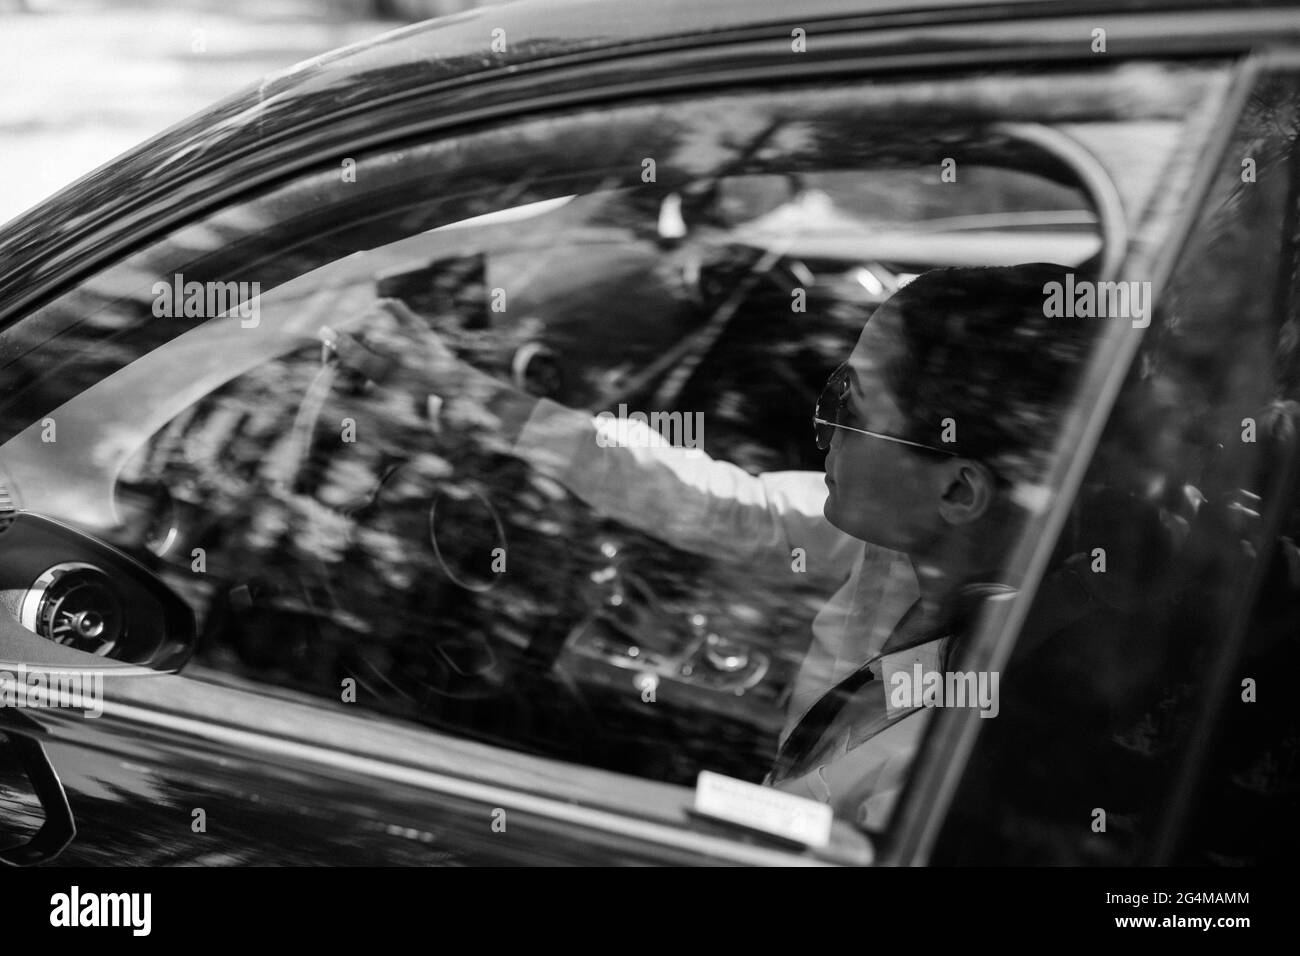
(831, 514)
(851, 528)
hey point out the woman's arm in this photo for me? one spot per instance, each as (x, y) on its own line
(627, 471)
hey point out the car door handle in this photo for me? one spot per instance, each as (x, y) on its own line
(59, 828)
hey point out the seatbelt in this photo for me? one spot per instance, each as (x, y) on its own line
(813, 724)
(1062, 599)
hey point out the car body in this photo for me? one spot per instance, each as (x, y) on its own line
(1108, 155)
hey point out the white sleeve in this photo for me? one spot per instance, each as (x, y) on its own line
(627, 471)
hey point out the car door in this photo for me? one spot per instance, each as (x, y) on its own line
(1142, 734)
(414, 649)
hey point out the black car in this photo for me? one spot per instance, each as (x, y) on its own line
(328, 630)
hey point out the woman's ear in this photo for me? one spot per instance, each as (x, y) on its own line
(968, 491)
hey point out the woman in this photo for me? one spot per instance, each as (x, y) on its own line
(940, 419)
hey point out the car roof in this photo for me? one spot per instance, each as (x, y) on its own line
(455, 52)
(543, 28)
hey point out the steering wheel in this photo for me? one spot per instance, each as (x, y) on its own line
(434, 531)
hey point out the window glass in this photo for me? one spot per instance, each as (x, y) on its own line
(511, 434)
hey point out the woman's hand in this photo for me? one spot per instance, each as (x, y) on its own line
(458, 395)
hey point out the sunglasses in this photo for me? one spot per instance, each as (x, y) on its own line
(833, 405)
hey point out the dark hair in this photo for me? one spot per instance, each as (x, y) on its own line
(980, 349)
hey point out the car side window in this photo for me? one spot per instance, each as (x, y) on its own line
(249, 399)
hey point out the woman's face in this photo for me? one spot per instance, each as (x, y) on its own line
(880, 491)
